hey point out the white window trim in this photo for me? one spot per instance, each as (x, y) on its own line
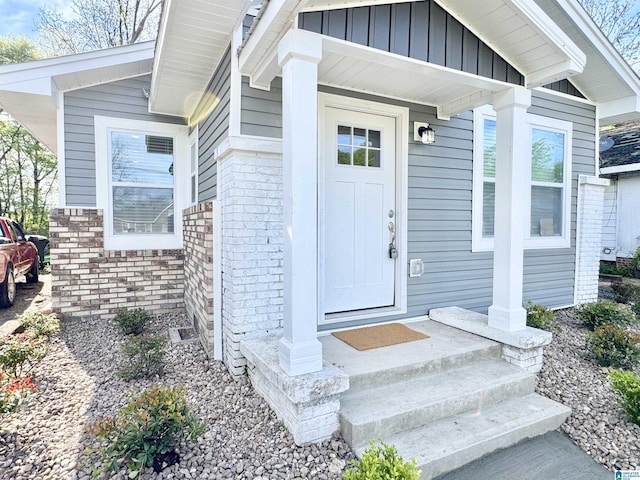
(193, 142)
(102, 127)
(482, 244)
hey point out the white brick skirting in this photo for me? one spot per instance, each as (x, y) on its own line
(250, 192)
(589, 237)
(308, 404)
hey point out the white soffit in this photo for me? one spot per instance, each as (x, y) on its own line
(524, 35)
(28, 91)
(194, 34)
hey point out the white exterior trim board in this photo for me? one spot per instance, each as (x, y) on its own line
(632, 167)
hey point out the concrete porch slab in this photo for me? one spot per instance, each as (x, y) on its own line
(446, 348)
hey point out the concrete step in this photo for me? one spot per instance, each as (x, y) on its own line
(416, 401)
(449, 443)
(442, 351)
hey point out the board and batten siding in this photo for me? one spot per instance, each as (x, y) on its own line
(213, 109)
(440, 202)
(121, 99)
(420, 30)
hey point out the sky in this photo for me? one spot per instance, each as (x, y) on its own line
(18, 17)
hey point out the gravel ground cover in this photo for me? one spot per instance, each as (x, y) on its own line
(571, 376)
(77, 383)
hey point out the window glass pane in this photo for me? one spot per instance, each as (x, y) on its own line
(359, 137)
(193, 189)
(359, 157)
(344, 135)
(193, 158)
(546, 211)
(547, 156)
(488, 208)
(374, 158)
(140, 158)
(489, 148)
(142, 210)
(374, 138)
(344, 155)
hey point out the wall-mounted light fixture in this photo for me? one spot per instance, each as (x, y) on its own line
(423, 133)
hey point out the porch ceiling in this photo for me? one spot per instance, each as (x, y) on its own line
(364, 69)
(194, 34)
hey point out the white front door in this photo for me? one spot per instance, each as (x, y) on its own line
(358, 155)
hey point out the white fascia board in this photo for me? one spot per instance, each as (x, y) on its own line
(160, 42)
(620, 110)
(552, 74)
(632, 167)
(31, 74)
(261, 48)
(584, 22)
(540, 21)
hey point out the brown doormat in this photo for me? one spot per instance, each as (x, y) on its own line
(379, 336)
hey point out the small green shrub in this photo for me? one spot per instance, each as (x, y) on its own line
(39, 324)
(145, 432)
(600, 313)
(629, 293)
(20, 353)
(143, 357)
(382, 462)
(539, 316)
(132, 322)
(627, 385)
(610, 268)
(614, 347)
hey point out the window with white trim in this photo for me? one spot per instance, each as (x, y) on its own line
(139, 182)
(193, 160)
(548, 175)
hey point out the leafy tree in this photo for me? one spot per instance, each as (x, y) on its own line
(98, 24)
(17, 50)
(27, 177)
(27, 168)
(619, 20)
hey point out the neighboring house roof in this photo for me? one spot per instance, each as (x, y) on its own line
(620, 148)
(29, 91)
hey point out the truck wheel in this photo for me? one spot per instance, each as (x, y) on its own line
(33, 273)
(8, 289)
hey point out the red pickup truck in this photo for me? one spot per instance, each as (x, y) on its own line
(18, 260)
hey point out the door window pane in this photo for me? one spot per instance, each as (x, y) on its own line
(359, 147)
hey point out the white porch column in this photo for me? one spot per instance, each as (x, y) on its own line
(512, 153)
(298, 55)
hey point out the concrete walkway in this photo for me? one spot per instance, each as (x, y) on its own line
(551, 456)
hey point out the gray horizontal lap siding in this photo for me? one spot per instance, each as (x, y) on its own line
(214, 109)
(420, 30)
(439, 210)
(261, 111)
(122, 99)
